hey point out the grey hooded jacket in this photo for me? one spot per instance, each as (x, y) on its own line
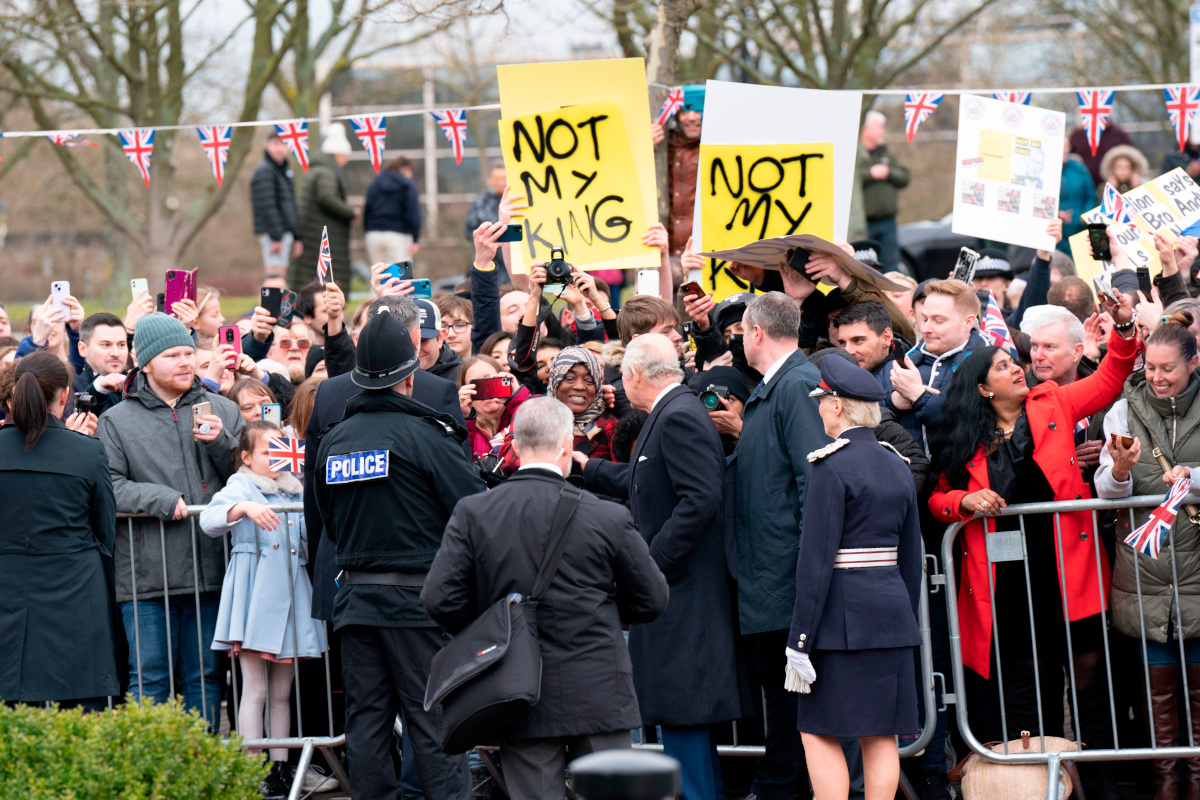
(154, 461)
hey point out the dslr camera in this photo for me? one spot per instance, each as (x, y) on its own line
(557, 269)
(85, 403)
(713, 395)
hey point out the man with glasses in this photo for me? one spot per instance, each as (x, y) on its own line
(436, 356)
(458, 320)
(290, 349)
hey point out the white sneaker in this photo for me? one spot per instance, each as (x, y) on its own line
(318, 780)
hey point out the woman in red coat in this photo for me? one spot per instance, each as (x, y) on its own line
(1003, 443)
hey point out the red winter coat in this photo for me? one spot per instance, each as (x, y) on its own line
(1053, 411)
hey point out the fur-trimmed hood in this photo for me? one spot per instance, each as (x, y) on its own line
(286, 483)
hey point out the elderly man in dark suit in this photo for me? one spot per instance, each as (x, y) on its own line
(683, 663)
(493, 546)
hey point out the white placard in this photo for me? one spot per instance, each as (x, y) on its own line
(1007, 172)
(739, 113)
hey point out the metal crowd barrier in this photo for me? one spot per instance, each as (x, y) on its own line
(1001, 549)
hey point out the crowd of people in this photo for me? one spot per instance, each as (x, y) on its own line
(762, 474)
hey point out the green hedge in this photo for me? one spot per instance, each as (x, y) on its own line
(136, 752)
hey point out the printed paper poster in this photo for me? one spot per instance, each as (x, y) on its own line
(1007, 172)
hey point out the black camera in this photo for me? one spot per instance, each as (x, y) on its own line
(797, 259)
(85, 403)
(557, 269)
(713, 395)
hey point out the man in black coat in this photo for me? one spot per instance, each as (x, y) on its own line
(684, 663)
(494, 545)
(273, 200)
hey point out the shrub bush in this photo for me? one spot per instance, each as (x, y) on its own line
(136, 752)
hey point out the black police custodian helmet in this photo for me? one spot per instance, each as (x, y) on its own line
(385, 354)
(993, 263)
(840, 378)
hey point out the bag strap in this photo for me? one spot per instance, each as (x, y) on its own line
(568, 501)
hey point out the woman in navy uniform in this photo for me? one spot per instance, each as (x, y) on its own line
(858, 582)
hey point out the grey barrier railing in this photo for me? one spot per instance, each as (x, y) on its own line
(1010, 545)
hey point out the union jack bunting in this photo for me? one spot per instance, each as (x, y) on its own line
(138, 144)
(1112, 205)
(372, 132)
(1094, 106)
(1020, 98)
(917, 108)
(285, 455)
(215, 140)
(324, 259)
(671, 105)
(295, 135)
(1149, 538)
(70, 140)
(995, 329)
(453, 122)
(1182, 103)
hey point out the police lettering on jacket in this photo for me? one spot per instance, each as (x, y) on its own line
(361, 466)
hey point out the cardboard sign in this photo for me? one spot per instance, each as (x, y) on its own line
(1134, 241)
(574, 165)
(768, 253)
(1007, 171)
(548, 87)
(773, 122)
(1166, 205)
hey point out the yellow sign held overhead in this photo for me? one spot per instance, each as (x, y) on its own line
(752, 192)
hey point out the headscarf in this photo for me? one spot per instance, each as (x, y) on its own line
(562, 364)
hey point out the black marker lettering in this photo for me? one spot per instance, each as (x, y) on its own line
(573, 226)
(550, 138)
(803, 159)
(533, 236)
(587, 180)
(591, 123)
(539, 150)
(748, 214)
(611, 222)
(793, 223)
(712, 177)
(765, 160)
(531, 182)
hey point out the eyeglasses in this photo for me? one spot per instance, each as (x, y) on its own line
(288, 344)
(458, 327)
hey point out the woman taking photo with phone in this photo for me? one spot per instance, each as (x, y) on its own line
(1159, 412)
(491, 416)
(1002, 444)
(57, 619)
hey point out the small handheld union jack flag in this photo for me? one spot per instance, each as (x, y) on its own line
(917, 108)
(138, 144)
(295, 135)
(995, 329)
(1182, 103)
(1150, 536)
(215, 140)
(372, 132)
(1113, 206)
(1094, 106)
(453, 122)
(285, 455)
(671, 105)
(1020, 98)
(70, 140)
(324, 259)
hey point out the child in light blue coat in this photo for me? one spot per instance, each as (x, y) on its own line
(266, 596)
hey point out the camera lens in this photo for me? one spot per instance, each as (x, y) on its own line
(710, 400)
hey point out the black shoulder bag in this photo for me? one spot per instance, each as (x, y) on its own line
(491, 672)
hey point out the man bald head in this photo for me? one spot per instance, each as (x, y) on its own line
(649, 366)
(512, 308)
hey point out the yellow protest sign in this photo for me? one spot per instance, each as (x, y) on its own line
(752, 192)
(574, 166)
(1134, 241)
(532, 88)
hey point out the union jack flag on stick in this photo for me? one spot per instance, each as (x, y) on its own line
(138, 144)
(1020, 98)
(917, 108)
(671, 105)
(1094, 106)
(995, 329)
(372, 132)
(324, 259)
(1149, 538)
(285, 455)
(1182, 103)
(1112, 205)
(453, 122)
(295, 135)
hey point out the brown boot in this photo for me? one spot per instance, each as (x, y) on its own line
(1192, 786)
(1165, 722)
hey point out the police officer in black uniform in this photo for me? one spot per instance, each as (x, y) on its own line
(387, 479)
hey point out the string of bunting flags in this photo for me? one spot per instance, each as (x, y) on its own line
(1095, 106)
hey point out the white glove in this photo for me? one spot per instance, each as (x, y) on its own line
(799, 674)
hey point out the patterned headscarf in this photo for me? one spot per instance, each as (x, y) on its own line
(562, 364)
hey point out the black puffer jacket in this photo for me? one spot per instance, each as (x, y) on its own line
(273, 198)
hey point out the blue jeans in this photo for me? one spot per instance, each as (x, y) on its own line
(884, 231)
(1160, 654)
(194, 662)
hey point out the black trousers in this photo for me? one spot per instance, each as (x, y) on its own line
(783, 762)
(384, 672)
